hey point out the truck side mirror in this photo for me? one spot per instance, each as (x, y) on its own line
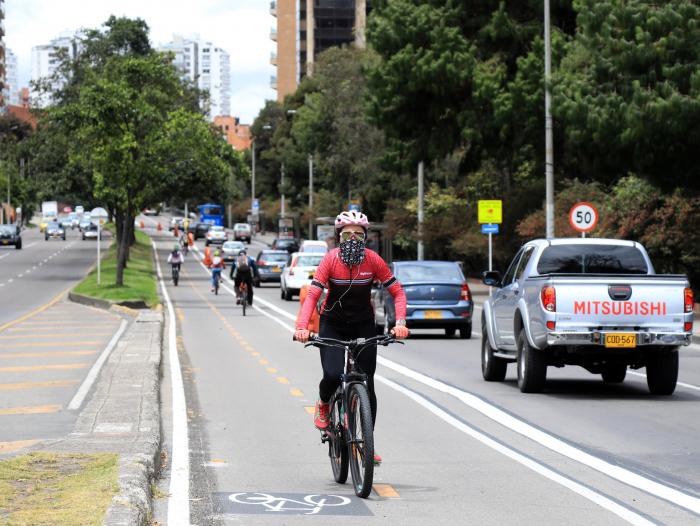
(492, 278)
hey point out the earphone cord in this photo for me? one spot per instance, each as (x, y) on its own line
(346, 291)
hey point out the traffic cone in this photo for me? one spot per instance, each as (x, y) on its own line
(159, 228)
(190, 239)
(143, 225)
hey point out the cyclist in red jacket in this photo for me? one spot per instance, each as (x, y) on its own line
(348, 272)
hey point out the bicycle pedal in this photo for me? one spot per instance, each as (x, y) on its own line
(324, 437)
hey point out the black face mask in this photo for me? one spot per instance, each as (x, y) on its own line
(352, 252)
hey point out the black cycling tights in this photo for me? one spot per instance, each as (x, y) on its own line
(333, 359)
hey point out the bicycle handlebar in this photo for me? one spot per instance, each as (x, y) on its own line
(352, 344)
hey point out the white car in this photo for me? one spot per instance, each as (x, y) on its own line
(242, 232)
(231, 250)
(298, 272)
(216, 236)
(316, 247)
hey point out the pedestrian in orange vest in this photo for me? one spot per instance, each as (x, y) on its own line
(315, 319)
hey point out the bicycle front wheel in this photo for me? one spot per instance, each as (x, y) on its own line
(361, 440)
(337, 445)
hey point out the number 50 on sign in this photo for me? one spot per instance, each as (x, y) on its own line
(583, 217)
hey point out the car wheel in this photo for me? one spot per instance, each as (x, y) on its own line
(288, 295)
(256, 283)
(614, 373)
(532, 366)
(662, 372)
(493, 369)
(18, 246)
(450, 331)
(465, 332)
(281, 293)
(83, 237)
(46, 238)
(206, 243)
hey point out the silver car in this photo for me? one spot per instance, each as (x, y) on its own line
(231, 249)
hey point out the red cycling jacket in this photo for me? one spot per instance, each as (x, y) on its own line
(349, 289)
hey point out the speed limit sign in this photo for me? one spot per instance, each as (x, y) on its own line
(583, 217)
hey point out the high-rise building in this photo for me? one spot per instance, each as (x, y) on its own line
(2, 55)
(306, 28)
(45, 61)
(236, 134)
(11, 91)
(208, 67)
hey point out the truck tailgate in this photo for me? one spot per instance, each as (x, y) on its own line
(645, 302)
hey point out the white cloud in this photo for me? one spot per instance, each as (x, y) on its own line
(241, 27)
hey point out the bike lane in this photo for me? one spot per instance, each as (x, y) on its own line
(255, 455)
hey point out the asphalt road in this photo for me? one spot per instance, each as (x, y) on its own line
(456, 449)
(48, 345)
(41, 270)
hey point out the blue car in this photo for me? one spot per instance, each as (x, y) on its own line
(437, 294)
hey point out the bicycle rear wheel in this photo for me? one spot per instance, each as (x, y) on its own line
(244, 300)
(361, 440)
(337, 445)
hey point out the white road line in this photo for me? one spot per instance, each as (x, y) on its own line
(557, 445)
(82, 392)
(4, 256)
(179, 492)
(682, 384)
(584, 491)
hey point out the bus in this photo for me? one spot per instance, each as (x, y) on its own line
(211, 213)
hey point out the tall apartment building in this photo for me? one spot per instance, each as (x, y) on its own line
(306, 28)
(2, 56)
(208, 67)
(11, 90)
(45, 61)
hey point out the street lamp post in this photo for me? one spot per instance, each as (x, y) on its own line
(282, 210)
(549, 140)
(311, 196)
(421, 248)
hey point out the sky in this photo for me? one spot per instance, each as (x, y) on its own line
(241, 27)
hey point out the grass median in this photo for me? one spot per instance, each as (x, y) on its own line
(139, 277)
(57, 489)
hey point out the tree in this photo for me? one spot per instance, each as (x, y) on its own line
(628, 92)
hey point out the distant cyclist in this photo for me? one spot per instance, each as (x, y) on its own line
(243, 271)
(216, 266)
(175, 258)
(348, 272)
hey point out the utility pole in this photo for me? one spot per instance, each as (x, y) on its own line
(421, 255)
(252, 183)
(282, 191)
(311, 196)
(549, 140)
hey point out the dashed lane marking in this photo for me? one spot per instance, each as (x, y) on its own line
(33, 410)
(48, 354)
(16, 445)
(38, 385)
(27, 368)
(386, 491)
(263, 361)
(271, 370)
(280, 379)
(310, 409)
(296, 392)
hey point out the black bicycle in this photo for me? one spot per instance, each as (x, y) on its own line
(176, 274)
(243, 298)
(350, 434)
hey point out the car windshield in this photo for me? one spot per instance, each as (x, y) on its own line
(233, 245)
(429, 273)
(217, 228)
(308, 261)
(7, 230)
(277, 258)
(592, 259)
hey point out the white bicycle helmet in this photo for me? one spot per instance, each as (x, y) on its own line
(351, 218)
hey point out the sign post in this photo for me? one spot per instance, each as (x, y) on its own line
(98, 217)
(490, 216)
(583, 217)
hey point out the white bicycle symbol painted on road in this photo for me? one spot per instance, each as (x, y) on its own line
(311, 505)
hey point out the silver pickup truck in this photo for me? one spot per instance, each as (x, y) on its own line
(596, 303)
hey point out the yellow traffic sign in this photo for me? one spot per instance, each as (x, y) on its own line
(491, 211)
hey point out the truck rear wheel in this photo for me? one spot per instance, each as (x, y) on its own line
(662, 372)
(614, 373)
(493, 368)
(532, 366)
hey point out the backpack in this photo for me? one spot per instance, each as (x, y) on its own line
(242, 263)
(175, 257)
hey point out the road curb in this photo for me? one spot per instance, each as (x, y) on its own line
(105, 304)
